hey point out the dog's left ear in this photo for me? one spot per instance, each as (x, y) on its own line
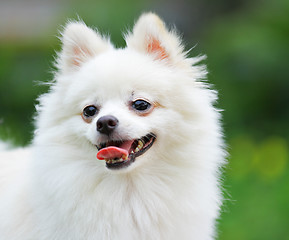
(79, 44)
(150, 36)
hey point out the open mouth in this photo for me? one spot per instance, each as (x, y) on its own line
(120, 154)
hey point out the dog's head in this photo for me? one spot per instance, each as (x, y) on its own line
(127, 106)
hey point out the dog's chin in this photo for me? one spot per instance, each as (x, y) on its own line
(122, 154)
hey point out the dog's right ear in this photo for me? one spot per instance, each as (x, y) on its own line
(150, 36)
(79, 44)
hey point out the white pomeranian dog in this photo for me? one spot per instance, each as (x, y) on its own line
(128, 145)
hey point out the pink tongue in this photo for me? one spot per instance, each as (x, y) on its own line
(111, 153)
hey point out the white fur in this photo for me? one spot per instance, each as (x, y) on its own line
(58, 189)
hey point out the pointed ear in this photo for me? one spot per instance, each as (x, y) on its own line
(79, 44)
(150, 36)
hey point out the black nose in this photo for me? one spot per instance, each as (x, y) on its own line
(106, 124)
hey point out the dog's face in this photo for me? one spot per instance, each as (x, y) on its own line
(125, 106)
(128, 105)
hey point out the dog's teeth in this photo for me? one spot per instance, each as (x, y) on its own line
(119, 160)
(140, 144)
(112, 161)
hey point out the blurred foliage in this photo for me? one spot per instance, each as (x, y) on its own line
(22, 69)
(248, 56)
(257, 185)
(248, 60)
(247, 44)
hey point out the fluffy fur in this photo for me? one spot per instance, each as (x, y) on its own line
(57, 188)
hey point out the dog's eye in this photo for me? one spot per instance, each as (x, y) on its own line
(141, 105)
(89, 111)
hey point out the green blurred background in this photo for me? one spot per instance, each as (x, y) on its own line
(247, 44)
